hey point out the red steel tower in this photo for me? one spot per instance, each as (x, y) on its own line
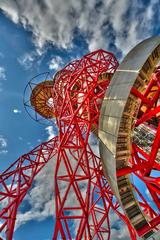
(85, 184)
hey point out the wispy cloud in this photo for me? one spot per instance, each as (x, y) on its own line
(56, 63)
(50, 131)
(32, 58)
(27, 60)
(3, 145)
(3, 142)
(115, 25)
(2, 77)
(3, 151)
(2, 73)
(16, 111)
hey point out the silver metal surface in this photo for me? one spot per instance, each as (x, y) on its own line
(117, 111)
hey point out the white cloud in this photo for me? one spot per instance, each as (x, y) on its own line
(3, 151)
(137, 26)
(11, 10)
(50, 132)
(3, 142)
(3, 145)
(2, 76)
(16, 111)
(56, 63)
(2, 73)
(102, 23)
(27, 60)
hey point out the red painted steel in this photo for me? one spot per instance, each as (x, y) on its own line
(83, 198)
(145, 162)
(78, 114)
(18, 178)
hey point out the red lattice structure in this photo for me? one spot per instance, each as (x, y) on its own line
(83, 197)
(146, 149)
(17, 180)
(77, 103)
(144, 165)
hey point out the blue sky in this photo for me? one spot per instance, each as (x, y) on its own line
(38, 36)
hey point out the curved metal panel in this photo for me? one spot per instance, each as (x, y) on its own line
(116, 120)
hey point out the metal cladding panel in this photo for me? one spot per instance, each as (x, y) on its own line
(110, 140)
(114, 107)
(135, 59)
(123, 88)
(114, 104)
(110, 167)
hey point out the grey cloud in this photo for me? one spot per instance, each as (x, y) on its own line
(121, 23)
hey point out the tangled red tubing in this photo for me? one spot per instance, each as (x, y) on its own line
(84, 192)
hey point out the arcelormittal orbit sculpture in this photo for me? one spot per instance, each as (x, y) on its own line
(120, 106)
